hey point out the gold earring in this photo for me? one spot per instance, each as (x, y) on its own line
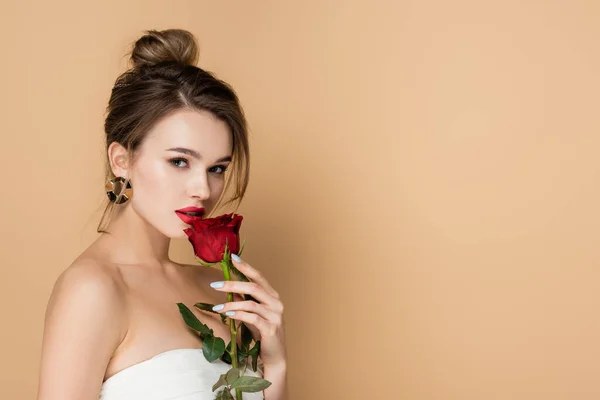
(114, 187)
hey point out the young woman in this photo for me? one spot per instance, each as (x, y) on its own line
(113, 330)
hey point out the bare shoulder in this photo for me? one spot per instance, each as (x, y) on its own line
(89, 278)
(88, 285)
(84, 324)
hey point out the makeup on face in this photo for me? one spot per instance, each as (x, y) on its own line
(190, 214)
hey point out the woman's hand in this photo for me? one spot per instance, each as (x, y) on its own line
(264, 319)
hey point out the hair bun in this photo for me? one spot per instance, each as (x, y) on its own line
(171, 45)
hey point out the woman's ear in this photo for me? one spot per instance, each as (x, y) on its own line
(117, 156)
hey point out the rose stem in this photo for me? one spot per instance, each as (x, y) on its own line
(232, 330)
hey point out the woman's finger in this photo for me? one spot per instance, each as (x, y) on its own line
(265, 329)
(249, 306)
(251, 288)
(254, 275)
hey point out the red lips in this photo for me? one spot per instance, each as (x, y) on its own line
(189, 219)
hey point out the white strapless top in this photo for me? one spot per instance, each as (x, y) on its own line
(182, 374)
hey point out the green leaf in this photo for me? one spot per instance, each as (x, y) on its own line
(222, 381)
(192, 321)
(224, 394)
(226, 253)
(254, 352)
(205, 307)
(226, 357)
(227, 377)
(202, 262)
(250, 384)
(242, 248)
(232, 375)
(213, 347)
(246, 338)
(238, 273)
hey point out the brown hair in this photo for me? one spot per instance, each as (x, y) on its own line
(163, 79)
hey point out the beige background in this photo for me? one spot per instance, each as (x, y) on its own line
(424, 188)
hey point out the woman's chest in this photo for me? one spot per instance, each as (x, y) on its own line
(153, 306)
(155, 323)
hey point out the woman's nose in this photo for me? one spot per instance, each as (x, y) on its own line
(199, 188)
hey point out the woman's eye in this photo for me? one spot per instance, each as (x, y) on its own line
(223, 169)
(219, 169)
(175, 161)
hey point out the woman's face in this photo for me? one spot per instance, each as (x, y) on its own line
(181, 163)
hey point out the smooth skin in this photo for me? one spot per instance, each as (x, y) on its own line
(265, 321)
(115, 305)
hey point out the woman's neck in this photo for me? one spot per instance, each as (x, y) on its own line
(132, 240)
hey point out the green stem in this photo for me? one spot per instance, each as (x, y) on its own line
(225, 266)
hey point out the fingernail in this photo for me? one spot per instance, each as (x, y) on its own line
(218, 307)
(236, 257)
(230, 313)
(217, 285)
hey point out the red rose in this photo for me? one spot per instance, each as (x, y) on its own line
(208, 236)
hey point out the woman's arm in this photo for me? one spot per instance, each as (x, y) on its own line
(278, 378)
(83, 326)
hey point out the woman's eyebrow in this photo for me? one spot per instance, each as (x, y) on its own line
(195, 154)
